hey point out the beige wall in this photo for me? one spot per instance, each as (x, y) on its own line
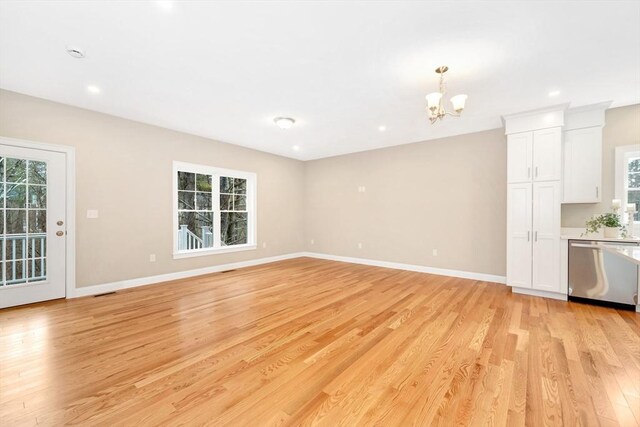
(447, 194)
(124, 169)
(622, 128)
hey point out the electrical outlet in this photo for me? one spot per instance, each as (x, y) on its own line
(359, 245)
(92, 213)
(435, 252)
(362, 189)
(152, 258)
(312, 241)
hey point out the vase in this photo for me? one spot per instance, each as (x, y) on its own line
(611, 232)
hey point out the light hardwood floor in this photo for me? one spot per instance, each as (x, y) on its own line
(305, 342)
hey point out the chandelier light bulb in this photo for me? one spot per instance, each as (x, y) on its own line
(458, 102)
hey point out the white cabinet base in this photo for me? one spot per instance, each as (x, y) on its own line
(538, 293)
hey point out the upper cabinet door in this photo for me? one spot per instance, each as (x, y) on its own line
(519, 157)
(547, 154)
(582, 165)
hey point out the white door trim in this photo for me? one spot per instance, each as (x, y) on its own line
(70, 205)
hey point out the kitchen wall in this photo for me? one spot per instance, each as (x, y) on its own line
(447, 195)
(622, 128)
(124, 169)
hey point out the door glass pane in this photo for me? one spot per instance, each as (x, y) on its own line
(23, 214)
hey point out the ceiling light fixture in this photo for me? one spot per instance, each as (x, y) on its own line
(93, 89)
(554, 93)
(434, 100)
(284, 122)
(75, 51)
(382, 128)
(296, 148)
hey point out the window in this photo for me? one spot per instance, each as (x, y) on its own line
(214, 210)
(628, 177)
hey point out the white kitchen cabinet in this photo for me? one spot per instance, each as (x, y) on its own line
(519, 157)
(546, 236)
(547, 154)
(519, 224)
(534, 174)
(534, 156)
(582, 178)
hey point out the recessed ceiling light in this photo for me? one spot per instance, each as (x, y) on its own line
(75, 51)
(554, 93)
(284, 122)
(93, 89)
(165, 4)
(296, 148)
(382, 128)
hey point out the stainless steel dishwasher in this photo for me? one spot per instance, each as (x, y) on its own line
(597, 274)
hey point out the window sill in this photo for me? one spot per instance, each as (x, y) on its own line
(211, 251)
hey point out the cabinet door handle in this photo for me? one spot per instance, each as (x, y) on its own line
(528, 236)
(536, 171)
(536, 236)
(529, 172)
(597, 192)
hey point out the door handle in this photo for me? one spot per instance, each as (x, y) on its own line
(59, 233)
(60, 223)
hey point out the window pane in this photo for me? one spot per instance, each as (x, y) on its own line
(634, 197)
(634, 165)
(226, 184)
(15, 272)
(37, 246)
(239, 186)
(195, 230)
(226, 202)
(16, 221)
(203, 182)
(16, 196)
(186, 181)
(37, 172)
(233, 228)
(37, 221)
(1, 175)
(203, 201)
(16, 248)
(16, 170)
(37, 196)
(36, 270)
(186, 200)
(239, 203)
(634, 180)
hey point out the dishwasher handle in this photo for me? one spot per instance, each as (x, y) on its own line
(584, 245)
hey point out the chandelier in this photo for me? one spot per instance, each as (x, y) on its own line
(434, 100)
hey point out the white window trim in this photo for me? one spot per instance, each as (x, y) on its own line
(252, 183)
(623, 154)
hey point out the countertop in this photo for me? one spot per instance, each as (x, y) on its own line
(576, 234)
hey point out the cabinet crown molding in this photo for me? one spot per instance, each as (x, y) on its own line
(541, 118)
(586, 116)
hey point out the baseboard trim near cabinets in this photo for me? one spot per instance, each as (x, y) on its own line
(538, 293)
(411, 267)
(142, 281)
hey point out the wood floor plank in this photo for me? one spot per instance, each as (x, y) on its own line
(314, 342)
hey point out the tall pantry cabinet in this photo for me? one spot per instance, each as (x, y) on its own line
(534, 197)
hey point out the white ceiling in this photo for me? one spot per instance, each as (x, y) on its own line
(224, 70)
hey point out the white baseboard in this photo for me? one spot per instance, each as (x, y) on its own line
(142, 281)
(537, 293)
(410, 267)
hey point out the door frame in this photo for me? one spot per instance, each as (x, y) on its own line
(70, 202)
